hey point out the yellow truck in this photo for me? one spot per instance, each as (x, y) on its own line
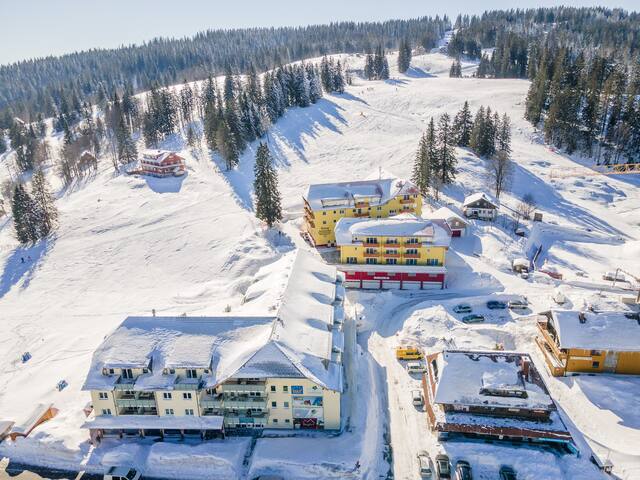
(408, 352)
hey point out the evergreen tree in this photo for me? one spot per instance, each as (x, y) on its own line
(425, 164)
(226, 145)
(404, 55)
(268, 201)
(504, 135)
(446, 151)
(24, 219)
(369, 70)
(456, 69)
(45, 211)
(478, 131)
(463, 125)
(126, 147)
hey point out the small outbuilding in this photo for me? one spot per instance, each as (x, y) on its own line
(521, 265)
(457, 225)
(480, 205)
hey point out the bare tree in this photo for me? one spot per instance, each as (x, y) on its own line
(500, 170)
(527, 205)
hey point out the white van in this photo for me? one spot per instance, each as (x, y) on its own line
(122, 473)
(417, 398)
(426, 465)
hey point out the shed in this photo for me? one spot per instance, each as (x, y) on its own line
(480, 205)
(521, 265)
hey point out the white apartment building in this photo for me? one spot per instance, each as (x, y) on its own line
(202, 376)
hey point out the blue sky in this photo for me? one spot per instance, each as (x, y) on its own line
(34, 28)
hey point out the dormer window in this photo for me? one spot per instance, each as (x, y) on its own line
(145, 370)
(192, 373)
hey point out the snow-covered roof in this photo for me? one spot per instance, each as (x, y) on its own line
(448, 214)
(187, 422)
(26, 424)
(610, 331)
(475, 197)
(494, 379)
(156, 156)
(345, 194)
(404, 225)
(295, 341)
(521, 262)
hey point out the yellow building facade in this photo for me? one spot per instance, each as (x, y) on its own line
(585, 342)
(402, 251)
(326, 204)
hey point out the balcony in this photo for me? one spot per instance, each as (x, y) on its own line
(361, 204)
(411, 255)
(246, 404)
(361, 214)
(135, 403)
(187, 383)
(210, 401)
(371, 254)
(392, 245)
(406, 201)
(370, 244)
(124, 384)
(243, 388)
(391, 255)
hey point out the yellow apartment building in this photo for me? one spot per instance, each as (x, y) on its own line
(325, 204)
(587, 342)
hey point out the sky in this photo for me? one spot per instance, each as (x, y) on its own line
(37, 28)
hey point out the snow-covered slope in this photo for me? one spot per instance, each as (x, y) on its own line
(191, 245)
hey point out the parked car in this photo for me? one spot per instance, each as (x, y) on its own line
(415, 367)
(417, 398)
(443, 466)
(408, 352)
(473, 318)
(518, 304)
(122, 473)
(462, 308)
(463, 470)
(507, 473)
(496, 305)
(425, 465)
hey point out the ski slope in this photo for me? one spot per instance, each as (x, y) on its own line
(127, 245)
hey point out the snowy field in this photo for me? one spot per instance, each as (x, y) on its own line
(191, 245)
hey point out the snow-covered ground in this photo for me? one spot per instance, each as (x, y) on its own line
(128, 245)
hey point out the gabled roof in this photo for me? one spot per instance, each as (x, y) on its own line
(404, 225)
(296, 340)
(475, 197)
(334, 195)
(610, 331)
(448, 214)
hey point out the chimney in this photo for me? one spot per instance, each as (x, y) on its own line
(582, 317)
(525, 368)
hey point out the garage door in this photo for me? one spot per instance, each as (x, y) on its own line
(371, 284)
(390, 284)
(410, 285)
(456, 233)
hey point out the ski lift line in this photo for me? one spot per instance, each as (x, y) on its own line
(621, 169)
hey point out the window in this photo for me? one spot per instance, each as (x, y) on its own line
(412, 240)
(103, 395)
(352, 260)
(392, 212)
(188, 411)
(285, 388)
(392, 261)
(372, 261)
(371, 251)
(406, 197)
(274, 404)
(275, 420)
(324, 222)
(372, 240)
(432, 262)
(286, 404)
(411, 261)
(392, 240)
(191, 373)
(595, 364)
(412, 251)
(168, 411)
(186, 395)
(379, 208)
(166, 395)
(112, 371)
(596, 353)
(341, 212)
(106, 411)
(286, 420)
(273, 388)
(324, 213)
(127, 373)
(391, 252)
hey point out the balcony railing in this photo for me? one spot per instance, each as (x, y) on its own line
(371, 254)
(361, 214)
(136, 402)
(236, 387)
(391, 255)
(411, 255)
(361, 204)
(254, 404)
(125, 384)
(392, 244)
(370, 244)
(211, 402)
(187, 384)
(409, 200)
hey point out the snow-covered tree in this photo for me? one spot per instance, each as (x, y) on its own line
(268, 201)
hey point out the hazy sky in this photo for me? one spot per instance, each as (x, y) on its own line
(35, 28)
